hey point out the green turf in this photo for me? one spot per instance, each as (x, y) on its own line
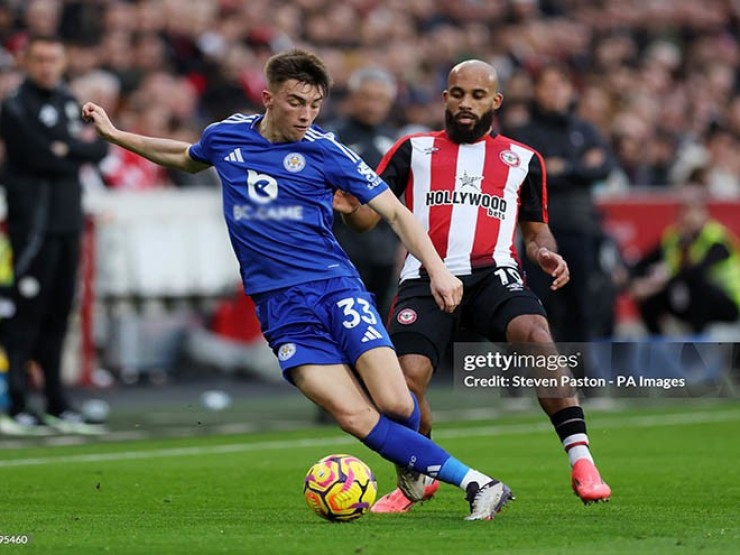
(675, 476)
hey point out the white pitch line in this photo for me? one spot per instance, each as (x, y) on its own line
(506, 429)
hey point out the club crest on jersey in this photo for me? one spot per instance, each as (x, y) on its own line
(406, 317)
(510, 158)
(294, 162)
(286, 351)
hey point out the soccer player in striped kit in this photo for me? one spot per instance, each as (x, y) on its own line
(470, 188)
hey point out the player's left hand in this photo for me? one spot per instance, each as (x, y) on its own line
(345, 203)
(555, 265)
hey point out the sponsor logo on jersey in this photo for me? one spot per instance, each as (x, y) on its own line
(510, 158)
(495, 206)
(294, 162)
(262, 188)
(286, 351)
(406, 317)
(263, 213)
(373, 180)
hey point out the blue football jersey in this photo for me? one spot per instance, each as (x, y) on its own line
(277, 200)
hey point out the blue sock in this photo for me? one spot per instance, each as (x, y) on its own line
(453, 471)
(402, 446)
(412, 422)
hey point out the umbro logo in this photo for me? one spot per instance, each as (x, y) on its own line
(235, 156)
(430, 150)
(371, 334)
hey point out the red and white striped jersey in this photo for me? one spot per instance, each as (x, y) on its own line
(469, 197)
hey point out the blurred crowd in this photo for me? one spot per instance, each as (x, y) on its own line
(659, 78)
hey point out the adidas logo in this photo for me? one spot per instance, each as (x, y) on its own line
(433, 470)
(235, 156)
(371, 334)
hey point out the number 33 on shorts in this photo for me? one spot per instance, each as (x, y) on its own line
(360, 317)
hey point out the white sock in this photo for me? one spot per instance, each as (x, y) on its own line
(474, 476)
(576, 446)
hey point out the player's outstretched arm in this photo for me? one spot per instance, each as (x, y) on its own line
(165, 152)
(446, 288)
(542, 250)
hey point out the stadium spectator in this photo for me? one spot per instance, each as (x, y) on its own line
(693, 274)
(619, 55)
(446, 177)
(371, 93)
(712, 163)
(226, 92)
(723, 163)
(318, 318)
(669, 63)
(576, 158)
(46, 144)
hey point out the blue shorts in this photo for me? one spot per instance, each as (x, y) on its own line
(331, 321)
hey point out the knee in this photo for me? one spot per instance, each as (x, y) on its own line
(417, 384)
(418, 371)
(399, 406)
(357, 423)
(528, 329)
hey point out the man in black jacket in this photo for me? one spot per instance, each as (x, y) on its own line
(576, 158)
(365, 129)
(46, 143)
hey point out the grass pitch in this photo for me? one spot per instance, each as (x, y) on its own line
(674, 472)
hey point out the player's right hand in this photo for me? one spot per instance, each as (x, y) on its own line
(92, 113)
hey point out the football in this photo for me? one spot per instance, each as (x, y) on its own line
(340, 488)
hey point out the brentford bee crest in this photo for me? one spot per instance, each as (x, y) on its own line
(406, 316)
(510, 158)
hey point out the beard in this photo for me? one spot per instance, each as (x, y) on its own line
(461, 134)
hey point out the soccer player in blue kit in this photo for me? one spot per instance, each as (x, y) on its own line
(279, 174)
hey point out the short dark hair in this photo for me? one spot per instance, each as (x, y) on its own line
(300, 65)
(48, 39)
(559, 68)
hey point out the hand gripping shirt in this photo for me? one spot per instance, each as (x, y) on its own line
(277, 200)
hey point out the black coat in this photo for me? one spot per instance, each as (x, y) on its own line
(379, 245)
(566, 136)
(43, 191)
